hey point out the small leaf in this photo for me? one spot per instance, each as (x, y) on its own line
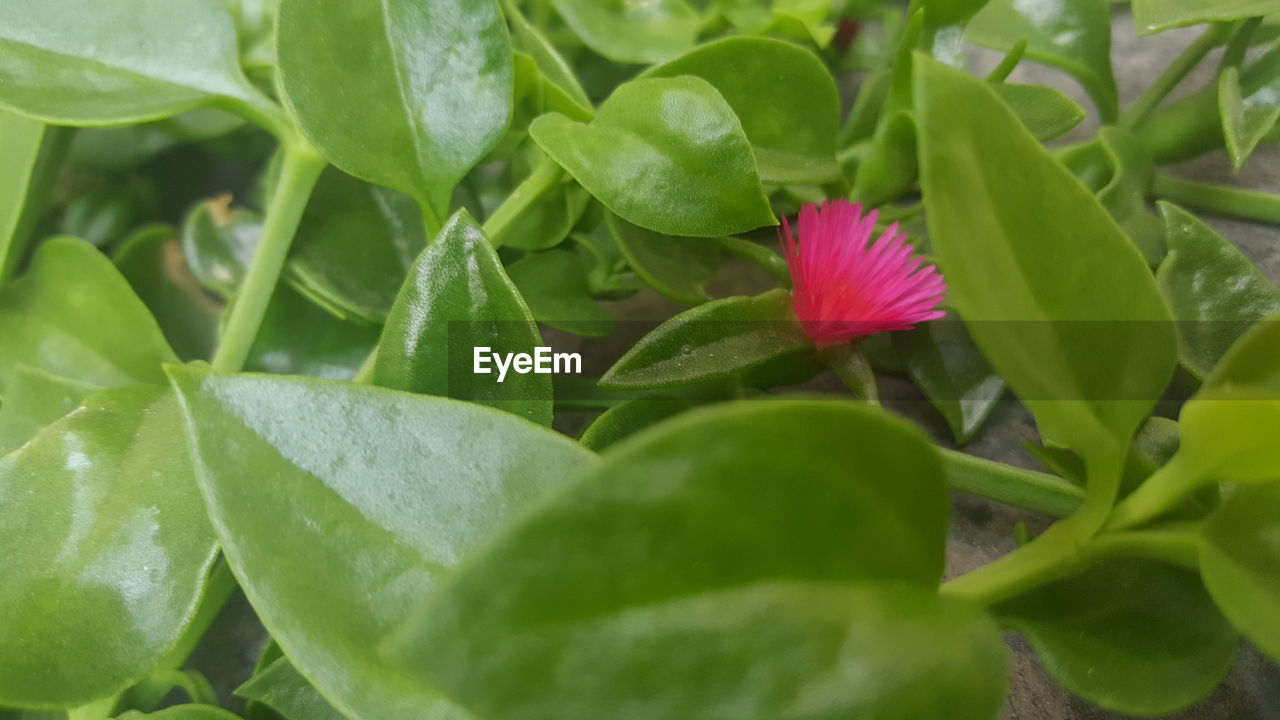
(182, 712)
(27, 151)
(1046, 112)
(630, 32)
(374, 495)
(688, 170)
(554, 283)
(1134, 636)
(678, 267)
(218, 243)
(405, 94)
(943, 361)
(282, 688)
(458, 298)
(1071, 35)
(1125, 196)
(1153, 16)
(625, 419)
(106, 546)
(1240, 562)
(713, 341)
(73, 315)
(527, 38)
(299, 338)
(784, 96)
(151, 259)
(1215, 292)
(794, 542)
(1248, 115)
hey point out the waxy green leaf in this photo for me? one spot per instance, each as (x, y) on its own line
(282, 688)
(79, 62)
(1215, 292)
(1248, 115)
(678, 267)
(457, 298)
(405, 94)
(299, 338)
(943, 362)
(687, 170)
(28, 149)
(715, 340)
(35, 399)
(798, 19)
(1134, 636)
(627, 418)
(106, 549)
(1125, 196)
(1240, 562)
(183, 712)
(824, 524)
(152, 260)
(555, 285)
(1152, 16)
(528, 39)
(218, 243)
(1058, 299)
(784, 96)
(630, 32)
(374, 495)
(1072, 35)
(1046, 112)
(93, 329)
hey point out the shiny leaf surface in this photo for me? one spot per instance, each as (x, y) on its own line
(1152, 16)
(153, 262)
(35, 399)
(678, 267)
(1240, 562)
(282, 688)
(944, 363)
(555, 286)
(630, 32)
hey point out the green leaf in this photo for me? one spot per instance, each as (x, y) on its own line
(796, 543)
(1056, 297)
(528, 39)
(798, 19)
(218, 243)
(948, 12)
(625, 419)
(1250, 362)
(354, 246)
(1153, 16)
(1248, 115)
(1240, 562)
(554, 284)
(630, 32)
(889, 168)
(678, 267)
(1215, 292)
(785, 98)
(79, 62)
(716, 340)
(1134, 636)
(1046, 112)
(1125, 196)
(34, 400)
(183, 712)
(405, 94)
(945, 364)
(27, 152)
(1071, 35)
(299, 338)
(688, 170)
(73, 315)
(374, 495)
(282, 688)
(458, 298)
(548, 221)
(151, 259)
(107, 548)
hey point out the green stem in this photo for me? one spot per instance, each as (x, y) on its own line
(97, 710)
(545, 175)
(1136, 114)
(1053, 556)
(1167, 546)
(850, 365)
(298, 175)
(758, 255)
(1219, 199)
(1011, 59)
(42, 174)
(1026, 489)
(364, 376)
(265, 113)
(1158, 494)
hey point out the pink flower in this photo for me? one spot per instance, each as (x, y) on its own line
(845, 286)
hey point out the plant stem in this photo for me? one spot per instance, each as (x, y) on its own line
(758, 255)
(850, 365)
(545, 175)
(1136, 114)
(298, 175)
(1167, 546)
(364, 375)
(1219, 199)
(1054, 555)
(1158, 494)
(1027, 489)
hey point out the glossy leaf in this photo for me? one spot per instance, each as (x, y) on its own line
(944, 363)
(1125, 196)
(797, 543)
(889, 167)
(282, 688)
(78, 62)
(1056, 297)
(1214, 291)
(555, 286)
(384, 492)
(457, 298)
(528, 39)
(218, 243)
(1152, 16)
(1046, 112)
(1072, 35)
(783, 95)
(404, 94)
(798, 19)
(678, 267)
(35, 399)
(630, 32)
(625, 419)
(354, 246)
(183, 712)
(153, 262)
(687, 170)
(299, 338)
(1247, 115)
(95, 330)
(548, 221)
(1240, 562)
(1250, 362)
(21, 143)
(713, 341)
(1134, 636)
(106, 546)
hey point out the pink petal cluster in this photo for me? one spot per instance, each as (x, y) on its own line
(844, 286)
